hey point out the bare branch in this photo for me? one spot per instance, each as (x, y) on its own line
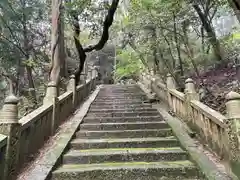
(107, 23)
(104, 38)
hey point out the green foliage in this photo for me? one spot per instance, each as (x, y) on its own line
(128, 65)
(164, 44)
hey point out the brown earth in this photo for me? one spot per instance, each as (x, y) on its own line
(217, 82)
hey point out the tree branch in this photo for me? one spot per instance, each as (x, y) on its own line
(106, 25)
(104, 38)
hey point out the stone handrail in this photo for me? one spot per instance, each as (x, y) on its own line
(160, 89)
(3, 146)
(27, 135)
(176, 99)
(210, 126)
(32, 127)
(221, 133)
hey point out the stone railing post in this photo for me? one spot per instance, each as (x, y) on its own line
(51, 97)
(233, 130)
(72, 87)
(94, 72)
(89, 74)
(190, 94)
(83, 78)
(10, 127)
(94, 75)
(171, 84)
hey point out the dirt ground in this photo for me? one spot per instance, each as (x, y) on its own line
(219, 82)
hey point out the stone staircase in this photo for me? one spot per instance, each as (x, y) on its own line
(123, 138)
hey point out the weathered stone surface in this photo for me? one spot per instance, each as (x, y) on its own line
(10, 127)
(137, 133)
(3, 146)
(122, 155)
(123, 114)
(124, 143)
(122, 119)
(52, 153)
(122, 110)
(128, 171)
(210, 170)
(124, 126)
(121, 106)
(125, 140)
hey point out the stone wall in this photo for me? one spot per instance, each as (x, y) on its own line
(221, 133)
(26, 136)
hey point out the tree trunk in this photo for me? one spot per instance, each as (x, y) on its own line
(155, 51)
(210, 32)
(190, 52)
(64, 69)
(235, 4)
(31, 85)
(180, 62)
(179, 65)
(55, 42)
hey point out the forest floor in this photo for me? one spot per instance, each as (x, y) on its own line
(219, 82)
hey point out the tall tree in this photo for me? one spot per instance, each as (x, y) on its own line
(57, 38)
(206, 24)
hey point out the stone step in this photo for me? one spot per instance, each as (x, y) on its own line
(121, 96)
(119, 102)
(123, 114)
(124, 126)
(165, 170)
(120, 91)
(121, 119)
(95, 110)
(130, 102)
(121, 106)
(124, 143)
(137, 133)
(122, 155)
(119, 88)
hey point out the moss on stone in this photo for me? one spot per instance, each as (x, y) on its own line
(125, 149)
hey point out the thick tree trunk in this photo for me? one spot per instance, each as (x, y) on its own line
(210, 32)
(64, 69)
(57, 43)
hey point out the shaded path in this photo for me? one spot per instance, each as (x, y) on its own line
(122, 138)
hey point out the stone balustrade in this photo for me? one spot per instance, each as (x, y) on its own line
(21, 139)
(221, 133)
(3, 147)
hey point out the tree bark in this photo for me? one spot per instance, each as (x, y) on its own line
(64, 69)
(57, 43)
(155, 51)
(27, 56)
(210, 32)
(180, 62)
